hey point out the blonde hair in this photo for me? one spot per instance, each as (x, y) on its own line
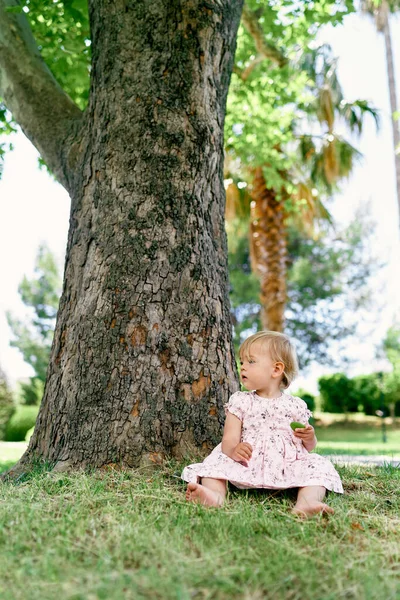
(281, 349)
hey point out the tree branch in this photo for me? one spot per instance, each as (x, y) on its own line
(45, 113)
(244, 73)
(264, 48)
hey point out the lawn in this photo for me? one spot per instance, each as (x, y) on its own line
(10, 452)
(113, 535)
(357, 437)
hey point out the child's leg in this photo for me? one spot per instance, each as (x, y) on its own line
(309, 501)
(211, 492)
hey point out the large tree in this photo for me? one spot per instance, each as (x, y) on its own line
(142, 359)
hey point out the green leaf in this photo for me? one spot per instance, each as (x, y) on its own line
(14, 9)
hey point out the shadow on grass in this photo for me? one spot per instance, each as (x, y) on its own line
(263, 494)
(5, 465)
(37, 467)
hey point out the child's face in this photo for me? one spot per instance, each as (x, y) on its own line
(258, 370)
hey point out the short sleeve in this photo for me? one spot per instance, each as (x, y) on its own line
(235, 405)
(303, 412)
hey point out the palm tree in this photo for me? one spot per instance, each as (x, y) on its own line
(323, 160)
(268, 250)
(380, 10)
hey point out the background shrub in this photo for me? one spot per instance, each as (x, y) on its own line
(7, 405)
(337, 394)
(391, 390)
(23, 419)
(308, 398)
(29, 434)
(367, 391)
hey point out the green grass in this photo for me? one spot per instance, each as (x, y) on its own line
(362, 438)
(119, 536)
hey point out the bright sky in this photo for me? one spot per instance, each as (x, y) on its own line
(34, 208)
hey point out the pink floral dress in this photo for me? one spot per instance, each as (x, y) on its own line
(279, 460)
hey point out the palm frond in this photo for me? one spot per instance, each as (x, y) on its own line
(331, 161)
(308, 209)
(353, 114)
(326, 110)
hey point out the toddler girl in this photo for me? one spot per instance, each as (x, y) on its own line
(259, 449)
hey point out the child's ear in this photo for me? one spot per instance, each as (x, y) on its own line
(279, 367)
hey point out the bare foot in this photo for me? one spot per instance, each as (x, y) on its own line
(198, 493)
(312, 508)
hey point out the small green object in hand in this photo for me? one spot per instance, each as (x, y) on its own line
(295, 425)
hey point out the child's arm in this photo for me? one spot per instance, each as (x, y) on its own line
(231, 444)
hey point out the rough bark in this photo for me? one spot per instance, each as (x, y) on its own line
(142, 360)
(46, 114)
(268, 251)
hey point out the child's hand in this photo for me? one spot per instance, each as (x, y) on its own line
(306, 435)
(242, 452)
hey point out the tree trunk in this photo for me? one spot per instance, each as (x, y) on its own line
(268, 250)
(393, 102)
(142, 360)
